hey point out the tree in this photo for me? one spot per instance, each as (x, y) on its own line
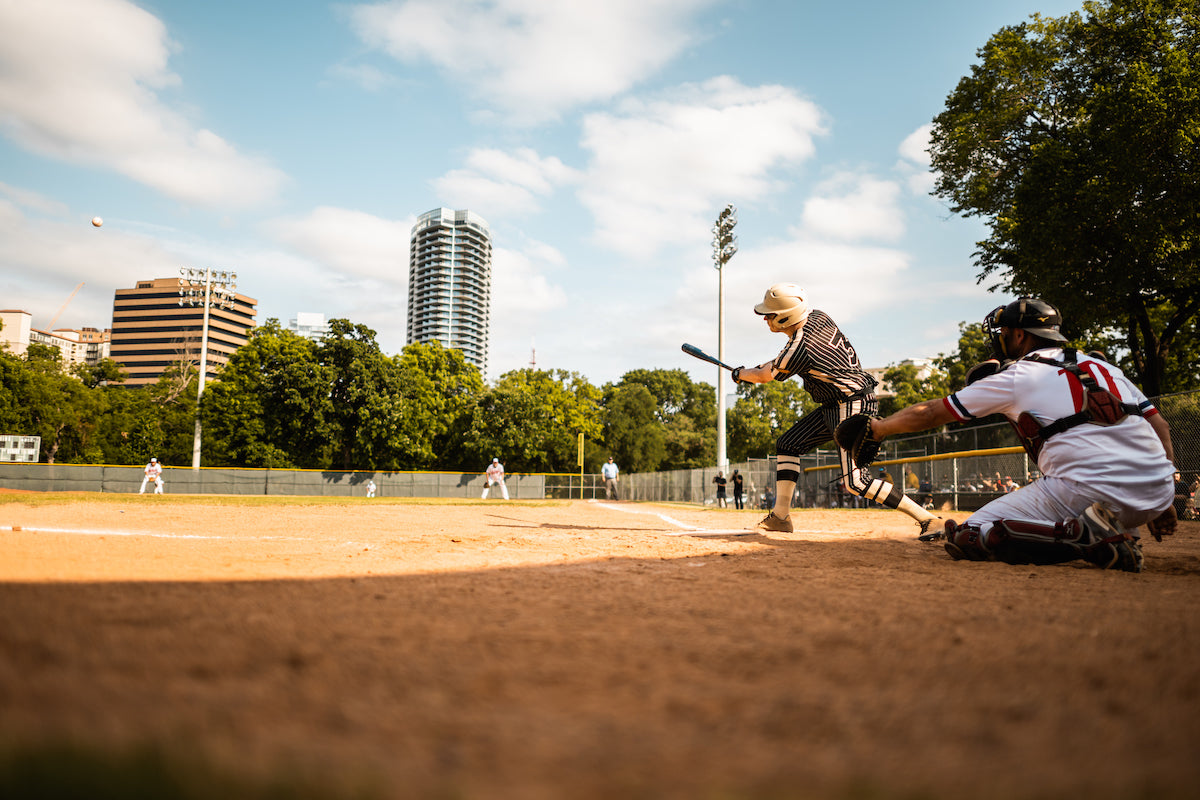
(1076, 137)
(687, 412)
(42, 400)
(271, 407)
(366, 406)
(440, 391)
(102, 373)
(908, 386)
(762, 412)
(531, 421)
(632, 433)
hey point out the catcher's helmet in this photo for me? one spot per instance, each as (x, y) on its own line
(1027, 313)
(787, 301)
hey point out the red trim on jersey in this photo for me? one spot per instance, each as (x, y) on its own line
(953, 409)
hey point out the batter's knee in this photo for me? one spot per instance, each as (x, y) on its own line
(882, 492)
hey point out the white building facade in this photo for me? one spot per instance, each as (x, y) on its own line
(450, 282)
(309, 324)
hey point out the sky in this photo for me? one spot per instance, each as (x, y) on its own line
(296, 142)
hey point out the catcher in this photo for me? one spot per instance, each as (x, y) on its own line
(821, 355)
(1103, 449)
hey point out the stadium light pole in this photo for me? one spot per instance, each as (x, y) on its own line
(724, 246)
(204, 287)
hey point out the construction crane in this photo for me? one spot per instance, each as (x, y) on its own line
(50, 327)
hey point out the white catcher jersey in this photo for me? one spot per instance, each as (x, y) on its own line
(1128, 452)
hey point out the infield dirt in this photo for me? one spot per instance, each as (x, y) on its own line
(581, 650)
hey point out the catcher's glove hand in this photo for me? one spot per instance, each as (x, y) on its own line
(1164, 524)
(853, 435)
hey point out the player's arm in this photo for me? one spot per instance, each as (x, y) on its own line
(1163, 430)
(918, 417)
(760, 374)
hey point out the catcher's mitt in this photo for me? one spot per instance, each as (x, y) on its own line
(853, 435)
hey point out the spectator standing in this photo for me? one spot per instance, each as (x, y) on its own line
(721, 482)
(611, 475)
(739, 488)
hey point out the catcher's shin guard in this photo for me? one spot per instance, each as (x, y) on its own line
(1094, 536)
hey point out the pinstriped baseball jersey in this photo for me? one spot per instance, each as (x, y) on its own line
(824, 358)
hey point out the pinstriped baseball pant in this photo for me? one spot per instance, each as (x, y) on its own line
(815, 429)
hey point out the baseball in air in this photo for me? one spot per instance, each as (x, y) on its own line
(97, 221)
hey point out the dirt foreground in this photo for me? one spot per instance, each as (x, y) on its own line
(588, 650)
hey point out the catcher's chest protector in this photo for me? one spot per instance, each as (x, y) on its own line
(1098, 406)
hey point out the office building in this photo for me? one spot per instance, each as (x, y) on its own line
(450, 282)
(154, 330)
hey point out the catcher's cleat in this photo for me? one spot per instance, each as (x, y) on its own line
(1112, 547)
(932, 529)
(965, 542)
(773, 523)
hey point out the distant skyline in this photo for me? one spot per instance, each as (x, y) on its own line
(297, 142)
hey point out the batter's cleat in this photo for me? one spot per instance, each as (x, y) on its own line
(773, 523)
(932, 529)
(1111, 547)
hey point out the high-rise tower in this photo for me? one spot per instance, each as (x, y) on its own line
(450, 282)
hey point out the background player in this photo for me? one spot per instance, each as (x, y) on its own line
(1105, 463)
(153, 472)
(824, 359)
(495, 476)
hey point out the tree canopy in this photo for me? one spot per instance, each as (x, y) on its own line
(1078, 140)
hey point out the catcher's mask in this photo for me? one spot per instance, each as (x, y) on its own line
(787, 301)
(1027, 313)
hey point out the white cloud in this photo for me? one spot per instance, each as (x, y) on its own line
(505, 183)
(365, 76)
(80, 82)
(915, 163)
(915, 146)
(46, 251)
(855, 207)
(661, 169)
(530, 58)
(352, 243)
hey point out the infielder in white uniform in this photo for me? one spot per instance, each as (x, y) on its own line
(495, 476)
(1103, 449)
(153, 473)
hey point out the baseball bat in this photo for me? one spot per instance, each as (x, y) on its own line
(696, 352)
